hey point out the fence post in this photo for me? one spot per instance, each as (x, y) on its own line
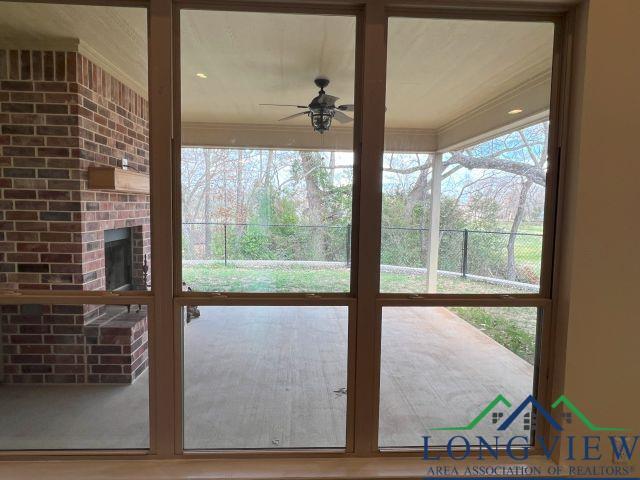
(347, 245)
(225, 244)
(465, 252)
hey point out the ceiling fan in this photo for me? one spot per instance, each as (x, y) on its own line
(322, 109)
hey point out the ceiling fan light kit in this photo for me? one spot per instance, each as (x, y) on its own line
(322, 109)
(321, 119)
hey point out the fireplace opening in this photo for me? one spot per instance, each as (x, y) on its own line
(118, 259)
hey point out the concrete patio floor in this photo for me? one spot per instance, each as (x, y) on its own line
(54, 417)
(275, 377)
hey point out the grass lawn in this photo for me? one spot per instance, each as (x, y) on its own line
(528, 251)
(525, 227)
(528, 248)
(512, 327)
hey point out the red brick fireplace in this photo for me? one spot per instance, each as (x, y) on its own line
(61, 114)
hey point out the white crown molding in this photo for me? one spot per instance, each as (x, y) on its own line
(122, 27)
(508, 127)
(88, 51)
(411, 140)
(206, 134)
(515, 93)
(251, 127)
(478, 124)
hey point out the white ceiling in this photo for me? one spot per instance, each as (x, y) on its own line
(253, 58)
(438, 70)
(112, 35)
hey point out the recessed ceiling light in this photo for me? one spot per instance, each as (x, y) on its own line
(201, 75)
(515, 111)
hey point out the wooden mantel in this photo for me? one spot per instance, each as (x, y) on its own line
(118, 180)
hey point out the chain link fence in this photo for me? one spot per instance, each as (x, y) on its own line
(491, 254)
(227, 242)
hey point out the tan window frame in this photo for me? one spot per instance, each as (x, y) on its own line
(364, 301)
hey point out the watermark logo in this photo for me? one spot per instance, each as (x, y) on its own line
(530, 401)
(504, 418)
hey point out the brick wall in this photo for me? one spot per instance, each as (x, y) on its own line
(59, 114)
(113, 124)
(73, 344)
(117, 346)
(40, 203)
(44, 343)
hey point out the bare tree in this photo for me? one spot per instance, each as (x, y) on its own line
(511, 272)
(314, 197)
(207, 202)
(239, 202)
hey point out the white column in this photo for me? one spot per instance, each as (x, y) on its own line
(434, 224)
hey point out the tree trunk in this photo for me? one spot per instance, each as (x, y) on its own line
(419, 195)
(314, 202)
(512, 273)
(207, 205)
(332, 168)
(266, 216)
(239, 193)
(419, 192)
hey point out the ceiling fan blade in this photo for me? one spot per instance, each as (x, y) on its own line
(294, 116)
(347, 108)
(327, 100)
(341, 117)
(281, 105)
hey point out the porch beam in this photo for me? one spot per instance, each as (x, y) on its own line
(434, 224)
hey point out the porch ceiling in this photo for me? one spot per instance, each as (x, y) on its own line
(444, 75)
